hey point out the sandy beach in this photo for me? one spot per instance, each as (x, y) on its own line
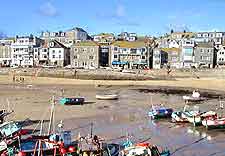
(31, 100)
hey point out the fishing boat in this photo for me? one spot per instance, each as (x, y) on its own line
(107, 97)
(143, 149)
(94, 146)
(8, 132)
(158, 112)
(3, 114)
(52, 145)
(71, 101)
(214, 123)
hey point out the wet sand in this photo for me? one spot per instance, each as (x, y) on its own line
(115, 119)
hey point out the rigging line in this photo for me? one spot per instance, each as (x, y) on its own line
(187, 145)
(42, 118)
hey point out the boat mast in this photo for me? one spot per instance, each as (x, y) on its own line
(51, 116)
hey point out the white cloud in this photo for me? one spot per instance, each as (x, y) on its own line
(48, 9)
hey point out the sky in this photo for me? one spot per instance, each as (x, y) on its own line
(145, 17)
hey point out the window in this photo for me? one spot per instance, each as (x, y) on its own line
(75, 57)
(60, 56)
(75, 64)
(59, 51)
(45, 50)
(201, 50)
(209, 50)
(84, 49)
(53, 51)
(92, 49)
(115, 48)
(143, 57)
(91, 57)
(75, 49)
(53, 56)
(92, 64)
(115, 56)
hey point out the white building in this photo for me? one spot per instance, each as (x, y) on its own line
(5, 55)
(59, 55)
(23, 50)
(174, 44)
(187, 54)
(221, 56)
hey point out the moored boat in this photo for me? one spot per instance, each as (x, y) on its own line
(107, 97)
(158, 112)
(193, 99)
(214, 123)
(71, 101)
(177, 117)
(144, 149)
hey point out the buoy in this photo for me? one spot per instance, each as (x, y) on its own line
(71, 149)
(21, 153)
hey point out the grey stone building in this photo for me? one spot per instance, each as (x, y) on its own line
(205, 55)
(85, 55)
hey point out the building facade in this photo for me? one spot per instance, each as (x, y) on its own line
(187, 53)
(5, 55)
(125, 36)
(67, 37)
(41, 55)
(59, 55)
(160, 58)
(85, 55)
(174, 56)
(220, 61)
(133, 55)
(216, 37)
(22, 50)
(205, 54)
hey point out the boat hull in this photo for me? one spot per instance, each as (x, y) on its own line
(192, 118)
(214, 124)
(107, 97)
(177, 117)
(72, 101)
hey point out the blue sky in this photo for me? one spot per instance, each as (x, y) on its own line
(151, 17)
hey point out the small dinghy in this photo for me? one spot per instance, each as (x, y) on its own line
(71, 101)
(158, 112)
(195, 97)
(107, 97)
